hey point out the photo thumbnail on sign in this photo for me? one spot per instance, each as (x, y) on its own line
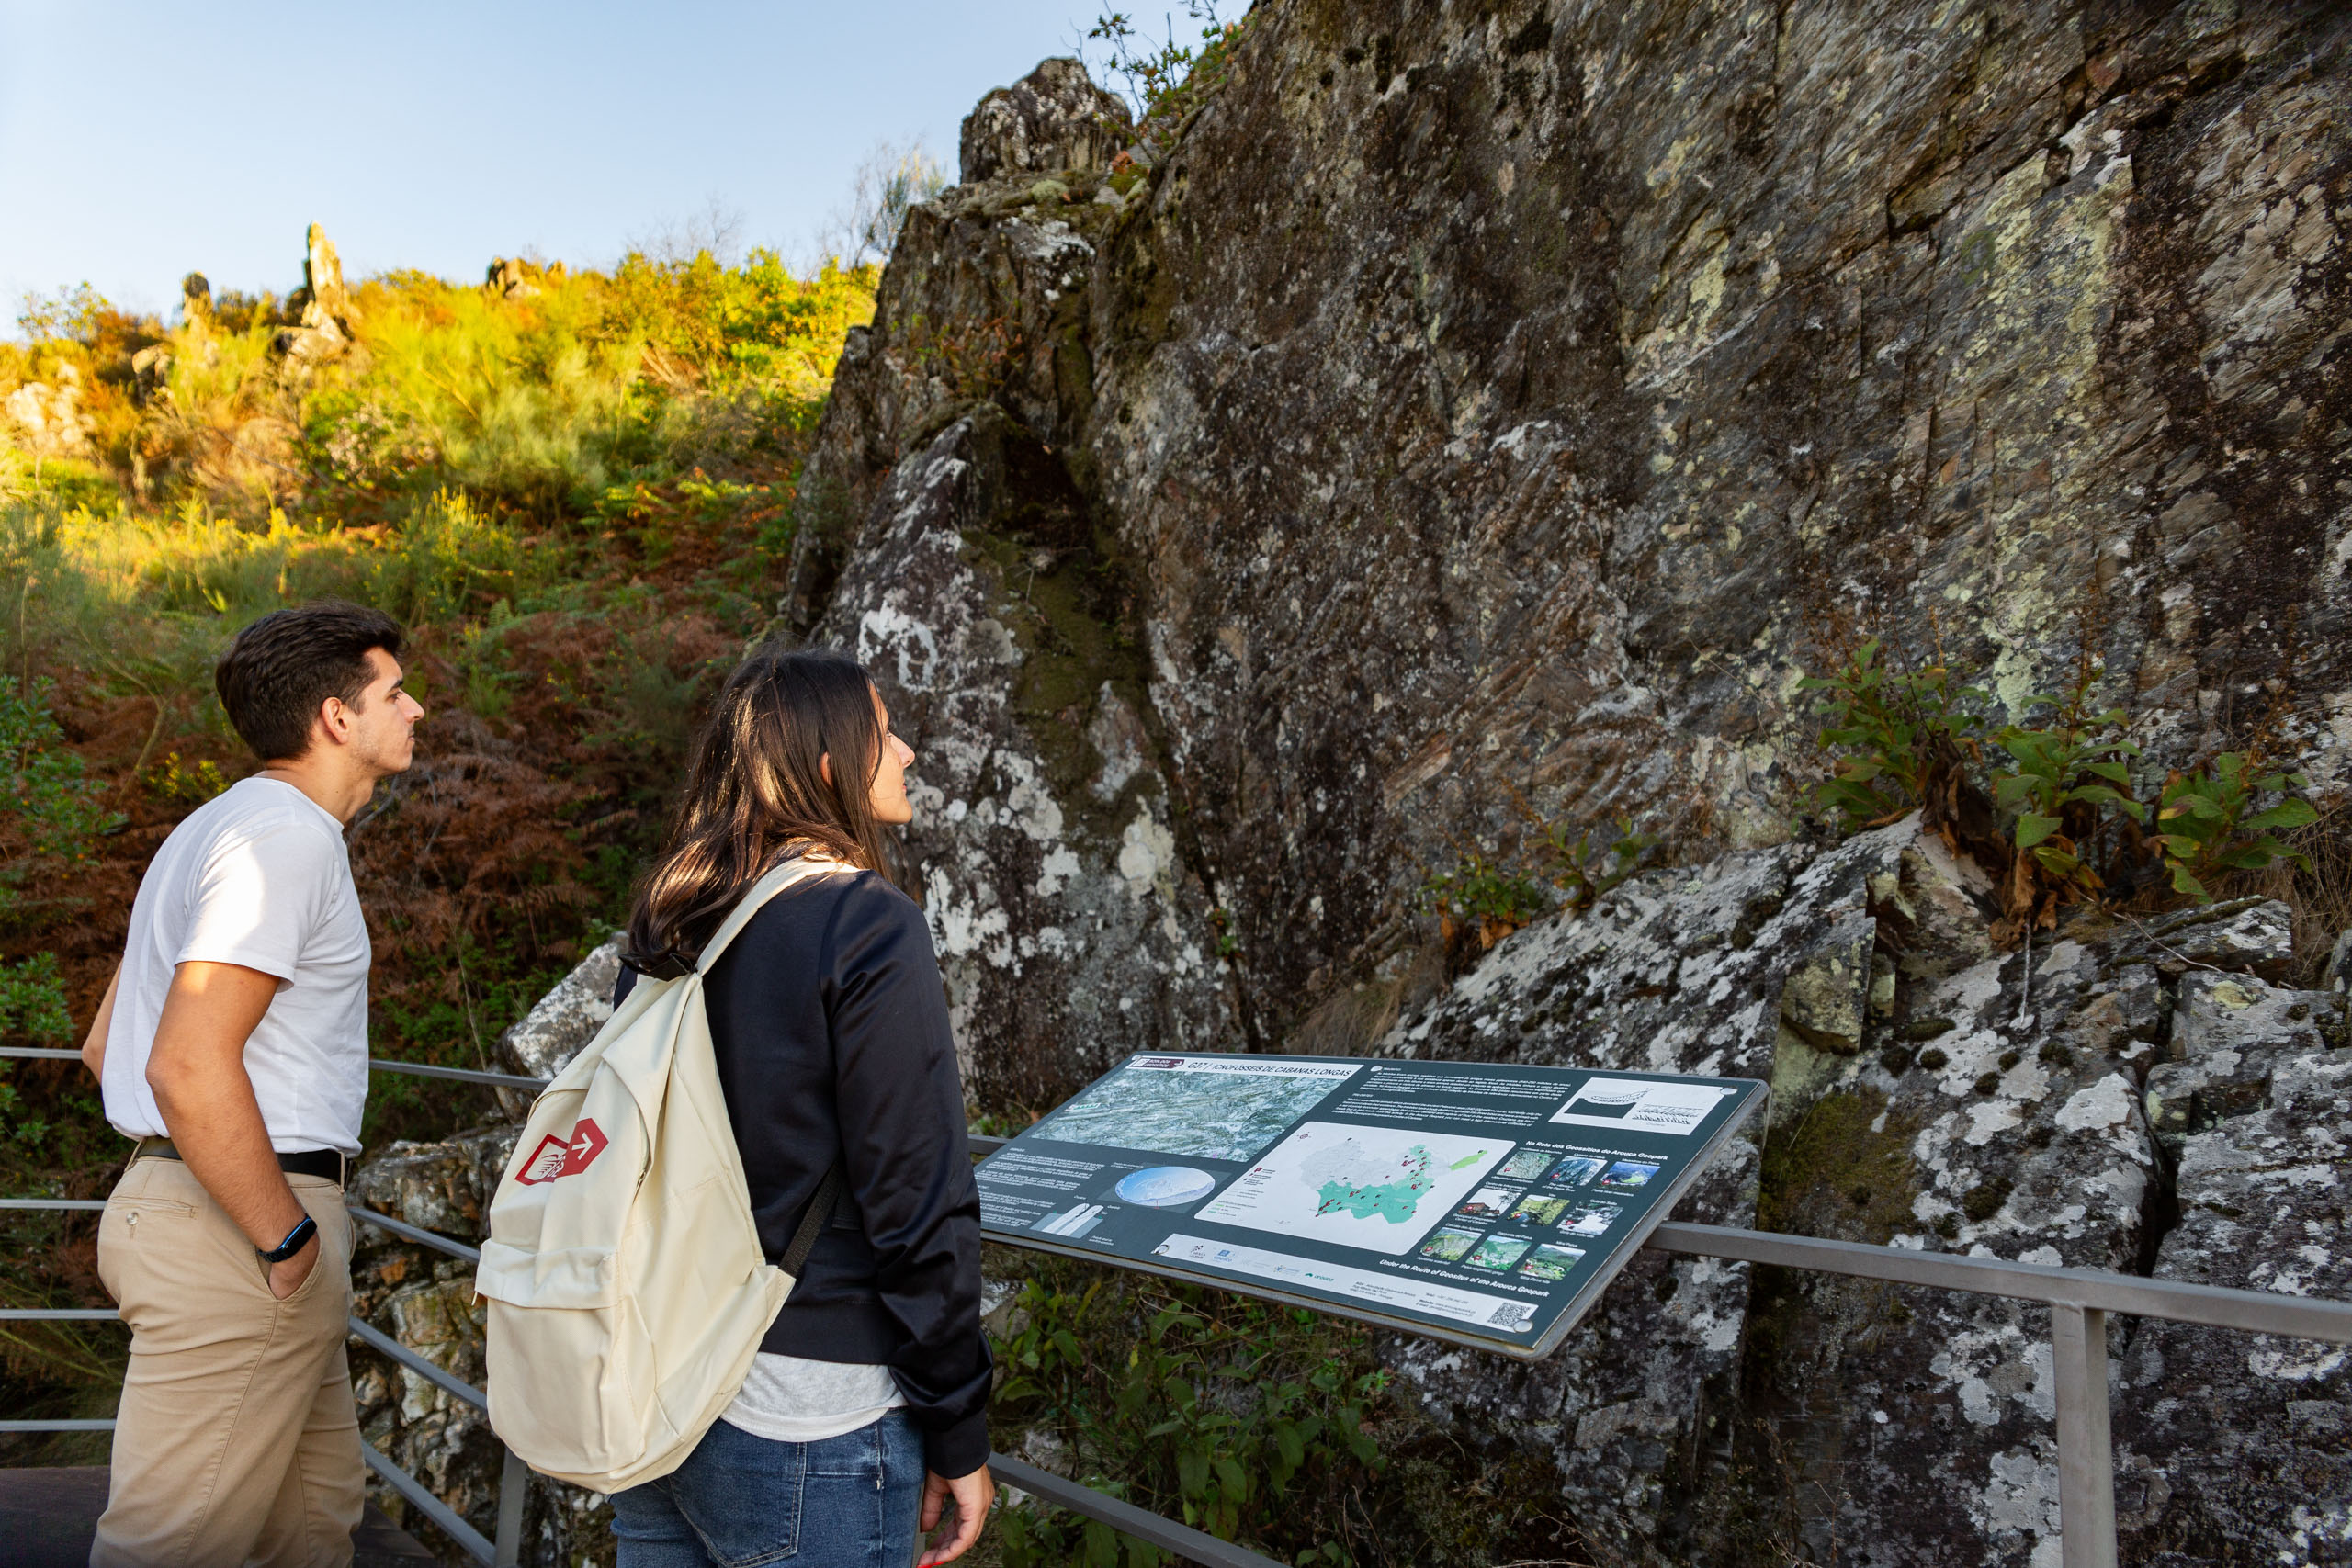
(1498, 1252)
(1576, 1170)
(1592, 1218)
(1448, 1244)
(1488, 1204)
(1628, 1175)
(1540, 1207)
(1552, 1261)
(1524, 1166)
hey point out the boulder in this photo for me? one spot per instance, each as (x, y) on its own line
(1675, 971)
(1054, 118)
(47, 415)
(544, 1040)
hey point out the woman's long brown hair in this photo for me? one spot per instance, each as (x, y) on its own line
(756, 791)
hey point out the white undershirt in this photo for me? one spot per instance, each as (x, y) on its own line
(789, 1400)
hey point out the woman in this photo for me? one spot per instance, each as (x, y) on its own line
(866, 1411)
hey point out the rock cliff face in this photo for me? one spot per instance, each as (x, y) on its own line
(1471, 418)
(1471, 414)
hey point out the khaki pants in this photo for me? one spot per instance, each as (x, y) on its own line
(236, 1441)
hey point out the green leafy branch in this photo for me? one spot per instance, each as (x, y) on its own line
(2209, 823)
(1896, 731)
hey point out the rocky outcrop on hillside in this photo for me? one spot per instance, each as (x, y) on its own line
(1490, 408)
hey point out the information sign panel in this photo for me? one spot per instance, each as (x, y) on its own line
(1474, 1202)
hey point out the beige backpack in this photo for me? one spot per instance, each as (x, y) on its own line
(626, 1289)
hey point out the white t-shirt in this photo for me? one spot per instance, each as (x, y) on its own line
(788, 1399)
(259, 876)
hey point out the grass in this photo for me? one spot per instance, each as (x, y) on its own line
(573, 492)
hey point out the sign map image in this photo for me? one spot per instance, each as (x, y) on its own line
(1208, 1107)
(1375, 1187)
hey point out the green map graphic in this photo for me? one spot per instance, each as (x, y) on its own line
(1349, 1179)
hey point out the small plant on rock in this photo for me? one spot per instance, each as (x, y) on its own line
(1482, 895)
(1585, 872)
(2061, 779)
(1904, 735)
(2208, 823)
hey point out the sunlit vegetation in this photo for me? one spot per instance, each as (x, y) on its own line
(572, 486)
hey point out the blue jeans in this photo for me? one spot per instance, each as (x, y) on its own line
(740, 1501)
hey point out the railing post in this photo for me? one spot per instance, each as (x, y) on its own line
(2085, 1448)
(514, 1485)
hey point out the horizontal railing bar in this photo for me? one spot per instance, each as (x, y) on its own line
(1125, 1517)
(419, 1365)
(52, 1202)
(461, 1075)
(477, 1545)
(59, 1314)
(982, 1144)
(107, 1425)
(2251, 1312)
(417, 1233)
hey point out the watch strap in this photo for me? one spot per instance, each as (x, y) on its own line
(296, 1239)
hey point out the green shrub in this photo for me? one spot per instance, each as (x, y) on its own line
(2070, 827)
(32, 1002)
(1245, 1419)
(2210, 822)
(1895, 731)
(2064, 777)
(50, 811)
(448, 560)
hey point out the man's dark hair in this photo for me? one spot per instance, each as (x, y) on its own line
(283, 666)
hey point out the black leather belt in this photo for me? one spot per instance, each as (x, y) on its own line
(331, 1164)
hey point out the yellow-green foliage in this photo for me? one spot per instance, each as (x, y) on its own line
(540, 403)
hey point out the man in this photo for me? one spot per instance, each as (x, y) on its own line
(232, 1045)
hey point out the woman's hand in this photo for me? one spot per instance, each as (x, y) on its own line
(973, 1494)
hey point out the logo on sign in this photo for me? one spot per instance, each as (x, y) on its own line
(568, 1156)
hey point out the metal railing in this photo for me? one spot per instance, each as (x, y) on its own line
(2079, 1301)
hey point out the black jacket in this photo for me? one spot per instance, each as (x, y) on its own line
(830, 1024)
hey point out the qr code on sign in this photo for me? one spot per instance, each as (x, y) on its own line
(1513, 1315)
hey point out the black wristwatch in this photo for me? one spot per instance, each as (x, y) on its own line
(296, 1239)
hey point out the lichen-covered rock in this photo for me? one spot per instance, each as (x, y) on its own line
(2228, 1033)
(1068, 928)
(2236, 1448)
(1053, 119)
(544, 1039)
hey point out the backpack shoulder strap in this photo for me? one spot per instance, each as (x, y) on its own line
(820, 1214)
(799, 868)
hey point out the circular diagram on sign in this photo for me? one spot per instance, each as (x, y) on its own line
(1165, 1186)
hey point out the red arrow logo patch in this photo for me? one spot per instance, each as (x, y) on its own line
(568, 1156)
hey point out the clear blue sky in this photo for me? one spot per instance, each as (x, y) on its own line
(140, 140)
